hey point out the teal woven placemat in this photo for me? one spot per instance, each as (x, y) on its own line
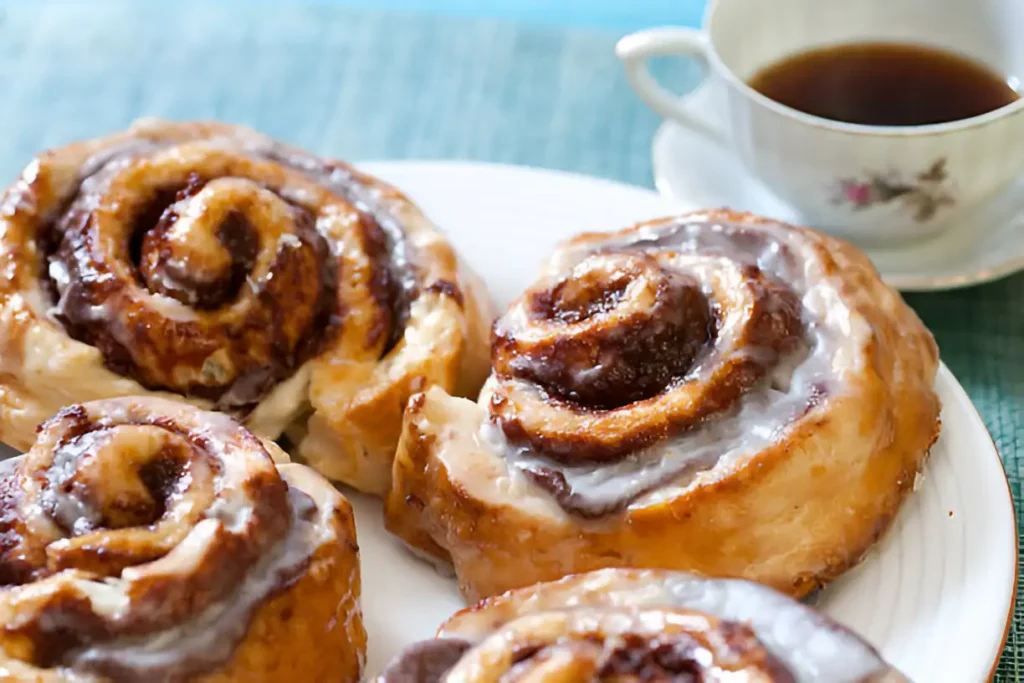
(377, 85)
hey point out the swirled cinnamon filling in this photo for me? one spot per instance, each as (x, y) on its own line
(628, 624)
(206, 270)
(206, 275)
(135, 545)
(597, 646)
(395, 281)
(619, 329)
(652, 357)
(425, 662)
(660, 658)
(634, 656)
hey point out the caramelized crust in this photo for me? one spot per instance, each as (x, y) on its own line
(143, 539)
(778, 451)
(207, 262)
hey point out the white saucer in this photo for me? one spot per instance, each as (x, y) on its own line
(989, 244)
(936, 595)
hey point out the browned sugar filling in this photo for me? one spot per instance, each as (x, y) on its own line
(294, 313)
(601, 351)
(677, 658)
(119, 504)
(396, 282)
(161, 273)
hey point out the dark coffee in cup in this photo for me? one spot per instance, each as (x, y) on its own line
(884, 84)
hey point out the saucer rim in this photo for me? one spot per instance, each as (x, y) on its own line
(903, 283)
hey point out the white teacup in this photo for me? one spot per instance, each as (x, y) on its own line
(834, 173)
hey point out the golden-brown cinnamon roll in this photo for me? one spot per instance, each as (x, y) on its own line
(208, 262)
(649, 625)
(713, 392)
(146, 540)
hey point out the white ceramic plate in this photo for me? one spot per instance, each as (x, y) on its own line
(935, 597)
(987, 243)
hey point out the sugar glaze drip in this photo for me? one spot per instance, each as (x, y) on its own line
(797, 382)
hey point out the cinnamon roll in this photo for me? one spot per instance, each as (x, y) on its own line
(622, 624)
(146, 540)
(207, 262)
(713, 392)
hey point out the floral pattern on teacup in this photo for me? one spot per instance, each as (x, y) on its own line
(924, 195)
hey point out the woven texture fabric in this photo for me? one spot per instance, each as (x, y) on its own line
(367, 85)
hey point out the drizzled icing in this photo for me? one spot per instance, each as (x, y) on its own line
(794, 383)
(813, 648)
(211, 262)
(151, 534)
(402, 282)
(211, 637)
(235, 245)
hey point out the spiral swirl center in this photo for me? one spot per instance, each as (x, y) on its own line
(201, 273)
(130, 516)
(643, 352)
(204, 245)
(616, 329)
(115, 479)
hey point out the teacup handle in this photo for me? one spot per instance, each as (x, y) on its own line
(635, 49)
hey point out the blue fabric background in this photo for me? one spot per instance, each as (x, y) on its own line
(615, 15)
(333, 76)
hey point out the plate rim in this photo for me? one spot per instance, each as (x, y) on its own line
(1016, 566)
(903, 283)
(976, 415)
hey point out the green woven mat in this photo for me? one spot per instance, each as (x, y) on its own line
(365, 85)
(981, 338)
